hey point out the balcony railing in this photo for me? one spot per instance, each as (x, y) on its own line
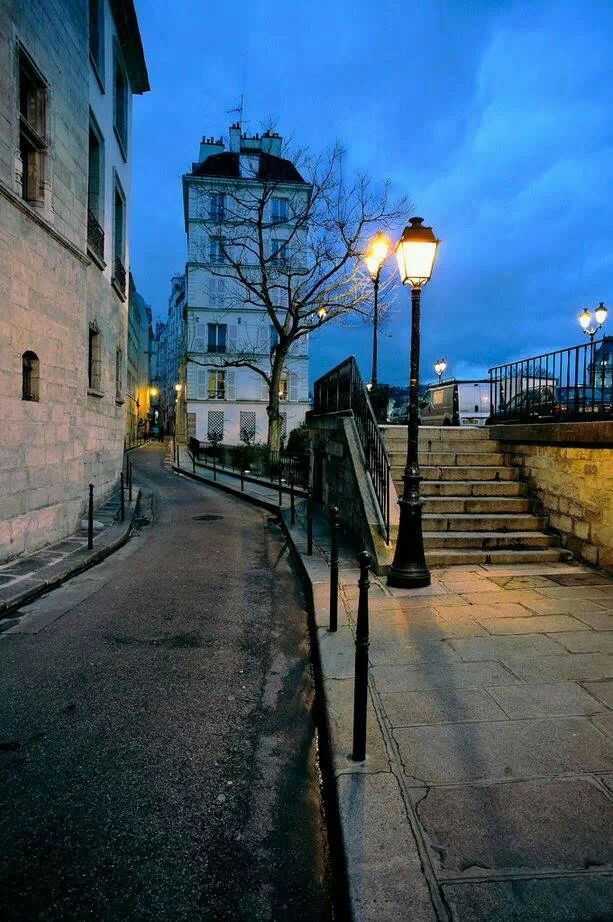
(119, 275)
(574, 384)
(342, 389)
(95, 235)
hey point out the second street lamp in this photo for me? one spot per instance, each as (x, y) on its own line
(599, 316)
(440, 367)
(415, 253)
(374, 259)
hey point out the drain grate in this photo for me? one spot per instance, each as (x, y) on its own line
(207, 518)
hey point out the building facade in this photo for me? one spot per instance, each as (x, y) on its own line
(139, 387)
(222, 324)
(68, 71)
(171, 356)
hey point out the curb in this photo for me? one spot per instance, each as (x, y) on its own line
(75, 566)
(226, 488)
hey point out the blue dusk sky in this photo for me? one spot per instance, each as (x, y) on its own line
(495, 118)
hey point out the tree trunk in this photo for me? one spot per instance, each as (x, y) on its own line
(274, 414)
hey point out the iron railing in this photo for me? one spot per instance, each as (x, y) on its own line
(256, 461)
(570, 384)
(342, 389)
(95, 235)
(119, 275)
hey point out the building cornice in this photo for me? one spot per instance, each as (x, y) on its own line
(30, 212)
(126, 23)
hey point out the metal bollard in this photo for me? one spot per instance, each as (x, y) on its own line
(280, 484)
(214, 465)
(334, 514)
(178, 460)
(122, 500)
(360, 688)
(309, 523)
(130, 481)
(193, 463)
(90, 518)
(292, 500)
(242, 477)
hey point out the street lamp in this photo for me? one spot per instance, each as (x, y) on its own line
(599, 316)
(415, 254)
(322, 313)
(374, 259)
(439, 367)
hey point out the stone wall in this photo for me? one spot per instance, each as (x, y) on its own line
(569, 467)
(340, 479)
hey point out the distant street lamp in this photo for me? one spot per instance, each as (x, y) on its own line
(599, 316)
(322, 313)
(415, 254)
(439, 367)
(374, 259)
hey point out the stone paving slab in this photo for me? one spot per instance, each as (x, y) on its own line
(515, 827)
(434, 675)
(441, 705)
(574, 667)
(601, 690)
(531, 625)
(560, 699)
(586, 642)
(563, 899)
(501, 750)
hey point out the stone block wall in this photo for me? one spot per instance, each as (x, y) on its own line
(569, 468)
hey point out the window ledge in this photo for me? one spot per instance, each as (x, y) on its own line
(119, 401)
(95, 258)
(97, 73)
(118, 288)
(92, 392)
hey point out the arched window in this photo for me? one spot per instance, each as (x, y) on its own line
(30, 376)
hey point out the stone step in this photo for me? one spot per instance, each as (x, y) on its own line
(442, 557)
(451, 458)
(457, 472)
(504, 524)
(468, 488)
(438, 433)
(439, 505)
(486, 540)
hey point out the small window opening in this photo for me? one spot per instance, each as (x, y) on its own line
(30, 376)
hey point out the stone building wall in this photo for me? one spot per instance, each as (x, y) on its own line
(569, 468)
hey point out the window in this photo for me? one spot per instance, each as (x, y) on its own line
(279, 210)
(94, 359)
(120, 103)
(217, 334)
(30, 376)
(118, 374)
(216, 206)
(95, 197)
(215, 426)
(96, 36)
(216, 250)
(288, 388)
(274, 338)
(278, 252)
(284, 387)
(217, 385)
(119, 233)
(32, 129)
(247, 426)
(217, 291)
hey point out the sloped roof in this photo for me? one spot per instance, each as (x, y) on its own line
(270, 168)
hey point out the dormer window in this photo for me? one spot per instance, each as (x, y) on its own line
(249, 165)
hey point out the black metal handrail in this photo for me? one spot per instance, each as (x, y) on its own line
(342, 389)
(571, 384)
(95, 234)
(257, 461)
(119, 274)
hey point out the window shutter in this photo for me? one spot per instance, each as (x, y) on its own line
(231, 385)
(201, 388)
(303, 389)
(263, 389)
(232, 337)
(293, 387)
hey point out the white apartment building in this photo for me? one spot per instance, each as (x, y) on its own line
(220, 323)
(68, 72)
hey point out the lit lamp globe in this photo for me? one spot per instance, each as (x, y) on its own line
(440, 368)
(377, 254)
(585, 318)
(322, 312)
(415, 253)
(600, 314)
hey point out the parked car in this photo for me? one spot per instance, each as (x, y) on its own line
(457, 403)
(553, 401)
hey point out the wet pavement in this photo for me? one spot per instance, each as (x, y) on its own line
(158, 754)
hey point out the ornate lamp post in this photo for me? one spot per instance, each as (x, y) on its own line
(440, 366)
(599, 316)
(374, 259)
(415, 253)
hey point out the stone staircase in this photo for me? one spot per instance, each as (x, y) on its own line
(475, 508)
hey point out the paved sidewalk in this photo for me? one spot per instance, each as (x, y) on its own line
(486, 791)
(26, 578)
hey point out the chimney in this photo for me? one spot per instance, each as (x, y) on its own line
(235, 138)
(210, 146)
(271, 143)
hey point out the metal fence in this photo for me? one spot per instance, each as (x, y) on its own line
(570, 384)
(342, 389)
(254, 461)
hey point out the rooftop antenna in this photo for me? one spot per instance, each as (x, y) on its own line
(240, 109)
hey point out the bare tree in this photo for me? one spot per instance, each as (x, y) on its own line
(302, 267)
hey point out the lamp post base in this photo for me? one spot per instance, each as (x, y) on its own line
(411, 577)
